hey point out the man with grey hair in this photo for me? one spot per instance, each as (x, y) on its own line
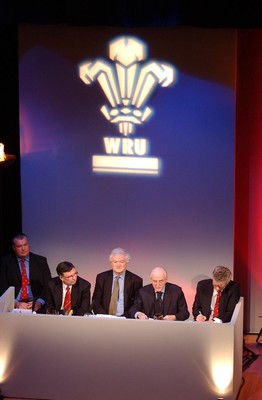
(216, 298)
(160, 299)
(115, 289)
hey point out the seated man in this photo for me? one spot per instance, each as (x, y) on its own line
(116, 288)
(27, 272)
(216, 298)
(160, 299)
(67, 292)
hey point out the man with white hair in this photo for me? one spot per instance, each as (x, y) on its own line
(160, 299)
(116, 288)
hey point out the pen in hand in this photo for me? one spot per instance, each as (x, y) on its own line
(200, 317)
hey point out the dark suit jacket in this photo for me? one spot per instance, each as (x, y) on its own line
(174, 302)
(103, 287)
(229, 298)
(10, 274)
(80, 295)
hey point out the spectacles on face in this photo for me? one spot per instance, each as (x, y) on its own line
(70, 276)
(160, 282)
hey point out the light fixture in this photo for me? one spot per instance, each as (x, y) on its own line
(5, 159)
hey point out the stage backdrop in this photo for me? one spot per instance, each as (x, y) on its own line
(127, 139)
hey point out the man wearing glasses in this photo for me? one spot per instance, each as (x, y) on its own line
(67, 293)
(160, 299)
(216, 298)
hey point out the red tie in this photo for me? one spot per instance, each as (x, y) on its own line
(216, 308)
(25, 281)
(67, 301)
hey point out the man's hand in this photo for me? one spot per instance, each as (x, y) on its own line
(37, 306)
(24, 306)
(142, 316)
(169, 318)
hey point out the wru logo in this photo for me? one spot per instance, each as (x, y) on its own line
(127, 82)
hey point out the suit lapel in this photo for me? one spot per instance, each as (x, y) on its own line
(126, 288)
(74, 293)
(151, 301)
(16, 268)
(167, 299)
(108, 288)
(59, 294)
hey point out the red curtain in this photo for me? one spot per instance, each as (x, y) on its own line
(248, 167)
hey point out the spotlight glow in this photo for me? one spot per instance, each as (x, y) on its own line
(3, 366)
(222, 374)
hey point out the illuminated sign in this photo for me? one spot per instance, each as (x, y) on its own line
(127, 82)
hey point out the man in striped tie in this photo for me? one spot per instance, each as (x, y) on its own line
(215, 299)
(68, 293)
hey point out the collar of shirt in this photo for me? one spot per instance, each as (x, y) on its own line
(215, 292)
(162, 292)
(65, 286)
(26, 259)
(122, 276)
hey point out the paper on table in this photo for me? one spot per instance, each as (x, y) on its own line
(21, 311)
(105, 316)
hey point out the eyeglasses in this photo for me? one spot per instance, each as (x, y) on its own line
(160, 282)
(70, 276)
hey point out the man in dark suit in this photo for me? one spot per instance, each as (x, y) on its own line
(37, 274)
(160, 299)
(128, 285)
(79, 291)
(207, 292)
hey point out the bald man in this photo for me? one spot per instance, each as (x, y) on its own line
(160, 299)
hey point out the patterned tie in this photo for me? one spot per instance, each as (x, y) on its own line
(159, 304)
(67, 300)
(216, 308)
(159, 296)
(25, 282)
(114, 297)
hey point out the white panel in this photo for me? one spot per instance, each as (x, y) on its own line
(65, 358)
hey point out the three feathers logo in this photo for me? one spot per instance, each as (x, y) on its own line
(127, 80)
